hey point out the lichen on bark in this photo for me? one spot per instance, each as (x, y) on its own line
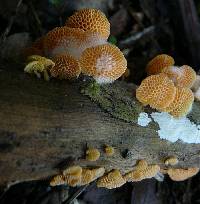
(117, 99)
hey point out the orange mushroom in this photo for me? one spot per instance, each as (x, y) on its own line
(90, 19)
(142, 171)
(182, 174)
(105, 63)
(66, 67)
(156, 65)
(183, 76)
(158, 91)
(74, 41)
(182, 102)
(112, 180)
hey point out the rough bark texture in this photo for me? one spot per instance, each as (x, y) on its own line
(45, 126)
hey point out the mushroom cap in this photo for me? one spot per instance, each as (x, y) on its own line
(74, 41)
(105, 63)
(156, 90)
(112, 180)
(183, 76)
(66, 67)
(57, 180)
(182, 102)
(142, 171)
(109, 150)
(90, 19)
(182, 174)
(92, 154)
(156, 65)
(89, 175)
(172, 160)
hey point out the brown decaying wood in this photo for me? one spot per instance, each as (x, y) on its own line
(46, 126)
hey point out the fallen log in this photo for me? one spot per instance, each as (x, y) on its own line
(47, 126)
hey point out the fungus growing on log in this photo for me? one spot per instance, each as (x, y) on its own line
(142, 171)
(92, 154)
(90, 19)
(72, 41)
(183, 76)
(113, 179)
(109, 150)
(77, 176)
(172, 160)
(105, 63)
(66, 67)
(158, 91)
(158, 63)
(37, 64)
(70, 176)
(89, 175)
(181, 104)
(182, 174)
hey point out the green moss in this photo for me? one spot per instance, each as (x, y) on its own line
(117, 99)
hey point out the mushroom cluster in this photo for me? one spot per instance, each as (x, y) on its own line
(81, 47)
(168, 87)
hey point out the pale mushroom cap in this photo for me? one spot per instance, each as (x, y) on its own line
(105, 63)
(112, 180)
(182, 103)
(92, 154)
(183, 76)
(90, 19)
(182, 174)
(66, 67)
(73, 41)
(158, 91)
(156, 65)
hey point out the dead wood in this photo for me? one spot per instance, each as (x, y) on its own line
(45, 126)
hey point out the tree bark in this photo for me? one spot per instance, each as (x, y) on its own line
(46, 126)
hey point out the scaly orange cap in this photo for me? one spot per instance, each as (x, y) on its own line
(105, 63)
(90, 19)
(156, 90)
(156, 65)
(183, 76)
(112, 180)
(182, 102)
(66, 67)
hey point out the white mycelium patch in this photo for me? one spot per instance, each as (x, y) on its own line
(143, 119)
(174, 129)
(105, 62)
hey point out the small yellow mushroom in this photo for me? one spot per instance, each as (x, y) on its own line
(113, 179)
(109, 150)
(182, 174)
(92, 154)
(172, 160)
(37, 64)
(142, 171)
